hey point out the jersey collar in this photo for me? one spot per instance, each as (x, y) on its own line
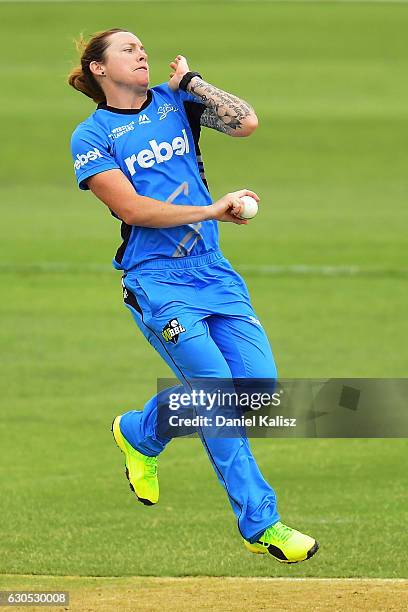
(127, 111)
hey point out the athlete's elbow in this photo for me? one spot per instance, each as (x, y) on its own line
(134, 213)
(248, 126)
(128, 218)
(140, 218)
(133, 216)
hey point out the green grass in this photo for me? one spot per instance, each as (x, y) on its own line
(329, 161)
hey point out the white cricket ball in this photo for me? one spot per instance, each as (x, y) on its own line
(250, 208)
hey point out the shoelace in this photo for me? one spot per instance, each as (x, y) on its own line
(279, 532)
(151, 466)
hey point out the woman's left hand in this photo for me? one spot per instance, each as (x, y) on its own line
(180, 68)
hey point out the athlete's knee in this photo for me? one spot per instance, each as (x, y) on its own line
(263, 374)
(256, 392)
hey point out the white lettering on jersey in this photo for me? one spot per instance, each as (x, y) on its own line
(159, 153)
(119, 131)
(91, 155)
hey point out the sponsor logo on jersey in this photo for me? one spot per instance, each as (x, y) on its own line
(165, 109)
(117, 132)
(158, 153)
(82, 160)
(172, 331)
(144, 119)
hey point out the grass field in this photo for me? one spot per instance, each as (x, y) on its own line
(329, 160)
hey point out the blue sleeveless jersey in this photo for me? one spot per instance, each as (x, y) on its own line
(157, 148)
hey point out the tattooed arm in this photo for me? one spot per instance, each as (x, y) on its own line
(225, 112)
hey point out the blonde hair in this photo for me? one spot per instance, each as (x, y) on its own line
(93, 50)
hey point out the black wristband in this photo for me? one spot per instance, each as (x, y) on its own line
(187, 78)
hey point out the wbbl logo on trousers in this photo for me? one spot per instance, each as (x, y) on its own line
(172, 331)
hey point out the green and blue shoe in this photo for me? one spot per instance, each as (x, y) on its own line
(141, 470)
(284, 544)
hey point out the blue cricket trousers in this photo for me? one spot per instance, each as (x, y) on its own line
(207, 302)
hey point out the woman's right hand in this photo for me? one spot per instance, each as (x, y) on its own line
(229, 207)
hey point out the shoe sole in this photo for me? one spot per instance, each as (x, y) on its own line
(119, 440)
(312, 551)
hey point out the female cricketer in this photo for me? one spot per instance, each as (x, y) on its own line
(138, 152)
